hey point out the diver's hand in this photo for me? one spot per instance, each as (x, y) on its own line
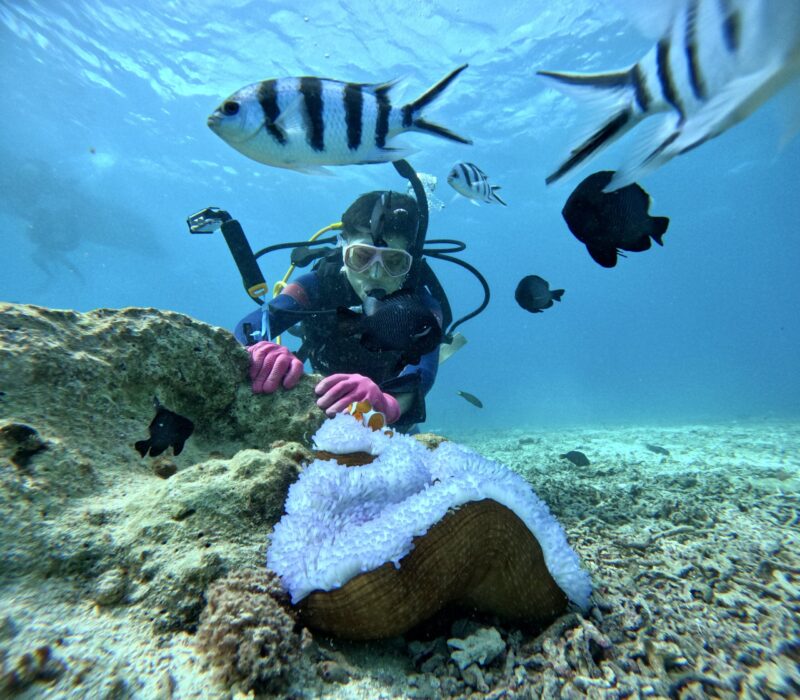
(338, 391)
(272, 365)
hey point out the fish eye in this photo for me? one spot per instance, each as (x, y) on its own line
(230, 108)
(454, 174)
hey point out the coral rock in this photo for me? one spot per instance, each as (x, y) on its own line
(247, 632)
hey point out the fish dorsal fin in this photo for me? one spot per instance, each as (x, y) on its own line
(601, 94)
(605, 115)
(397, 86)
(478, 170)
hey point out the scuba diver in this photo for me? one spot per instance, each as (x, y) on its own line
(388, 352)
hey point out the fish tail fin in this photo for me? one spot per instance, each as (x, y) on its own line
(557, 294)
(660, 224)
(618, 94)
(412, 112)
(496, 197)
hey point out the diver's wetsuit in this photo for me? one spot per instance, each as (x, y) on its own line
(328, 351)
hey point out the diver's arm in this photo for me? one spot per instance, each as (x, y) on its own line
(275, 317)
(411, 385)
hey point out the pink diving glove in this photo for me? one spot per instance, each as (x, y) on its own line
(272, 365)
(338, 391)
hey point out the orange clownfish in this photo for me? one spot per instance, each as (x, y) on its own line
(369, 417)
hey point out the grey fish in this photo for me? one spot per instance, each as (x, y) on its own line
(715, 63)
(167, 429)
(474, 400)
(534, 294)
(658, 450)
(308, 122)
(607, 222)
(470, 181)
(577, 458)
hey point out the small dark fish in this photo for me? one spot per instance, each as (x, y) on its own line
(608, 222)
(399, 322)
(534, 294)
(577, 458)
(658, 450)
(167, 429)
(474, 400)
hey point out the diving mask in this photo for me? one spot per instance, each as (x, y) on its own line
(360, 257)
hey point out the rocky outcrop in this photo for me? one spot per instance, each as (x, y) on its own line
(77, 500)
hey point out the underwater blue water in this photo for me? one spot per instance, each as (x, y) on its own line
(105, 151)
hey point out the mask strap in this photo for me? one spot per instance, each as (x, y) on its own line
(377, 220)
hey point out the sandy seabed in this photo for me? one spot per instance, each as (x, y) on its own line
(694, 557)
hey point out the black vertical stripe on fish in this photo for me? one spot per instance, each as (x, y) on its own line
(268, 99)
(731, 25)
(353, 109)
(467, 178)
(311, 90)
(639, 88)
(382, 122)
(408, 116)
(665, 77)
(692, 58)
(604, 134)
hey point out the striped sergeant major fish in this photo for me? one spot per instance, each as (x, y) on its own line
(469, 180)
(306, 123)
(715, 63)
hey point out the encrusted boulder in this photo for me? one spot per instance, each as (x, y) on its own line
(79, 503)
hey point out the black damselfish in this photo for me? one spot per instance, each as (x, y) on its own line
(398, 322)
(534, 294)
(608, 222)
(576, 457)
(167, 429)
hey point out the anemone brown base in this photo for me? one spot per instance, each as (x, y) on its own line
(480, 556)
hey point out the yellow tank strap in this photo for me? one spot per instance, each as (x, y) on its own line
(280, 284)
